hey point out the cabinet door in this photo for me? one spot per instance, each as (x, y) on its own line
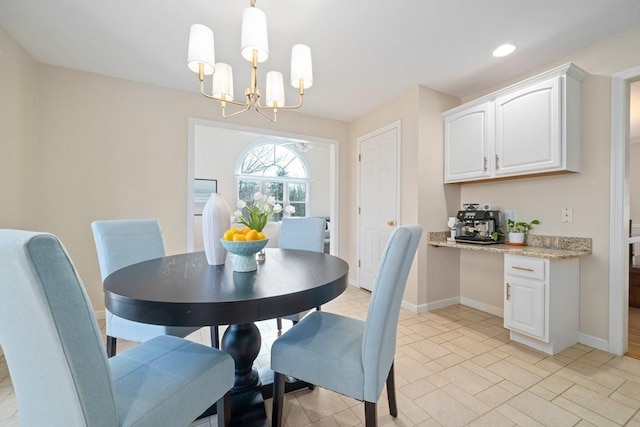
(524, 306)
(467, 135)
(528, 131)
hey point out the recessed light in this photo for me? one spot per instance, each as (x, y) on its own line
(504, 50)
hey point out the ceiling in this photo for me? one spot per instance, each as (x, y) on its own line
(365, 52)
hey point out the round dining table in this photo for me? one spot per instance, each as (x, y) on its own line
(184, 290)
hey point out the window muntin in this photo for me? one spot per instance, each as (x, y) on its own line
(274, 170)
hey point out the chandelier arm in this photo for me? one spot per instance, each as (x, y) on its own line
(203, 55)
(275, 112)
(215, 98)
(280, 107)
(247, 106)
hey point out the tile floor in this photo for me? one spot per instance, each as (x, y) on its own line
(456, 367)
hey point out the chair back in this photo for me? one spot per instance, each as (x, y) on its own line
(50, 337)
(306, 234)
(120, 243)
(379, 341)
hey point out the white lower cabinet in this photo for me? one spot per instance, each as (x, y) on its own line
(541, 306)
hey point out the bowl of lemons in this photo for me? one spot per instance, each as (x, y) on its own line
(244, 244)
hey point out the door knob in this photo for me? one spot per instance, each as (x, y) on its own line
(391, 223)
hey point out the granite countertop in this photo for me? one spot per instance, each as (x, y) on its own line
(550, 247)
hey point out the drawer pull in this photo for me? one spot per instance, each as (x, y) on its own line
(521, 268)
(508, 293)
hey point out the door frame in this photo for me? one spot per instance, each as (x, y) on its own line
(397, 125)
(334, 155)
(619, 202)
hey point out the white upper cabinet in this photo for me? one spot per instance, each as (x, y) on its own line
(528, 128)
(468, 134)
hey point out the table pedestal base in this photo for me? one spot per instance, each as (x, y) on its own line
(243, 343)
(251, 387)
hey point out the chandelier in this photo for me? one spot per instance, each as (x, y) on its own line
(255, 49)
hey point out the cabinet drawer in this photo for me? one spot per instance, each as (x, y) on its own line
(531, 268)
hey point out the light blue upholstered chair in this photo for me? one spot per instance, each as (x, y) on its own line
(306, 234)
(57, 361)
(347, 355)
(121, 243)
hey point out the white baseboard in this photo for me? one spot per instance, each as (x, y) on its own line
(595, 342)
(496, 311)
(423, 308)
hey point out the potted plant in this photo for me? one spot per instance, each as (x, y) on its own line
(518, 230)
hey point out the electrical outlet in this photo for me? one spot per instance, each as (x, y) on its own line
(511, 214)
(567, 215)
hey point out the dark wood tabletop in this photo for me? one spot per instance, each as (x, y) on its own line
(184, 290)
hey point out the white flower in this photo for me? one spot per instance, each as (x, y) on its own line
(259, 211)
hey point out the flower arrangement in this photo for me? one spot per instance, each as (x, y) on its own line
(257, 213)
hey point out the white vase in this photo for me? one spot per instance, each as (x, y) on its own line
(216, 219)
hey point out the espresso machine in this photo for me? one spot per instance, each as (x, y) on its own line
(476, 226)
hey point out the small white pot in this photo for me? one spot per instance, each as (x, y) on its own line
(517, 238)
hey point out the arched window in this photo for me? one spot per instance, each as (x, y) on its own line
(275, 170)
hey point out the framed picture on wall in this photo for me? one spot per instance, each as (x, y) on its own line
(202, 189)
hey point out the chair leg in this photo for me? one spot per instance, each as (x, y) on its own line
(391, 393)
(278, 399)
(370, 415)
(111, 346)
(223, 408)
(215, 337)
(279, 321)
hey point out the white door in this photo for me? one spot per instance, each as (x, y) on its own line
(378, 197)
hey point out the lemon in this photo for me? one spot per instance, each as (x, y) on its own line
(252, 235)
(239, 237)
(261, 236)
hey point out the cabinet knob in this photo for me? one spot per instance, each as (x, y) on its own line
(391, 223)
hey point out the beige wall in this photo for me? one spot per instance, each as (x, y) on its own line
(586, 192)
(423, 196)
(18, 135)
(109, 148)
(217, 151)
(90, 147)
(405, 110)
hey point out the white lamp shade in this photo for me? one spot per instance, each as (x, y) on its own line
(275, 89)
(301, 68)
(223, 81)
(254, 34)
(201, 49)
